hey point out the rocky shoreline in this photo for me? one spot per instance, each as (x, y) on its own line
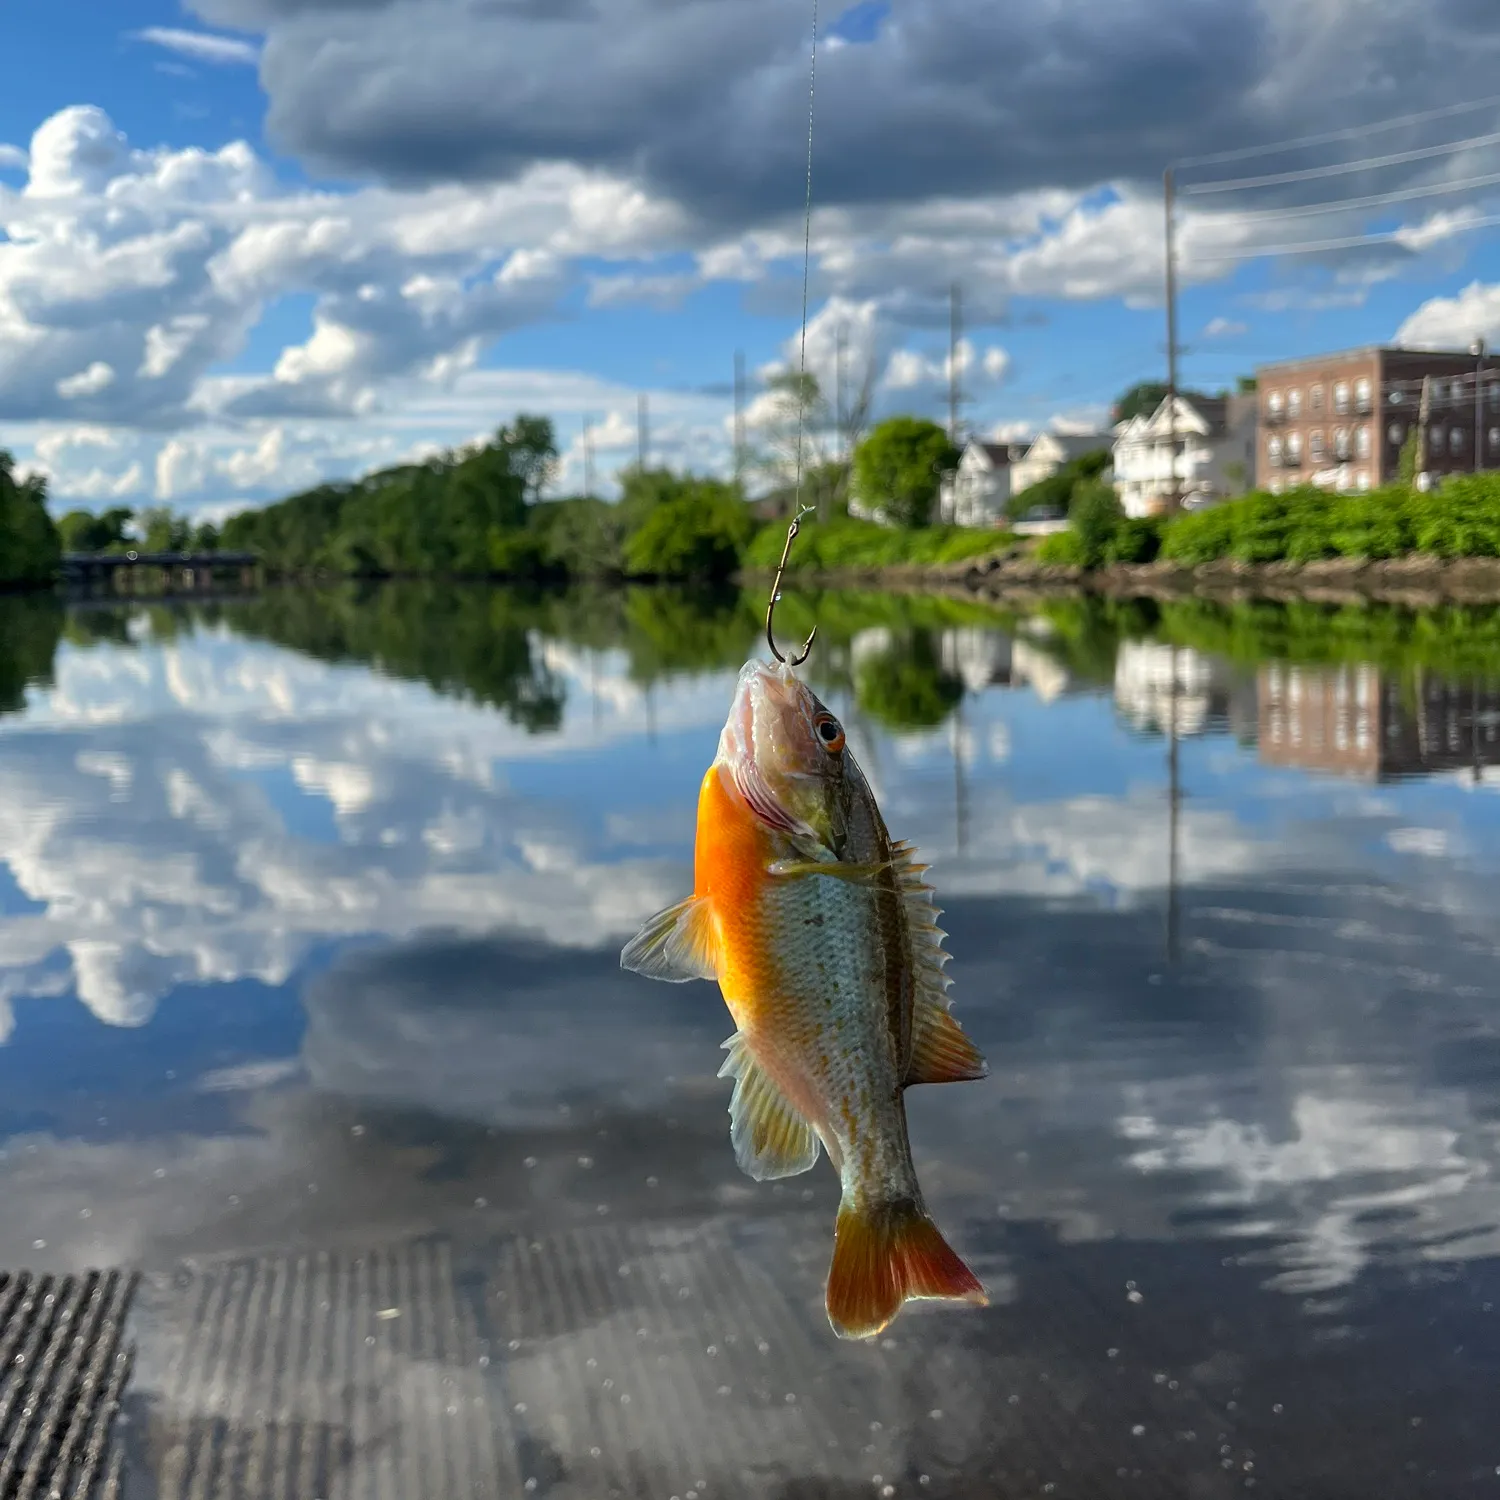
(1419, 580)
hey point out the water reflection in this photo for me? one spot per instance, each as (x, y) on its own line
(310, 909)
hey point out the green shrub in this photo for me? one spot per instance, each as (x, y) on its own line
(1136, 540)
(700, 535)
(853, 544)
(1094, 517)
(1063, 549)
(1459, 519)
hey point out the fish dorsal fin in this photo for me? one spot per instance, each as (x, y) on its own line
(677, 944)
(940, 1052)
(771, 1138)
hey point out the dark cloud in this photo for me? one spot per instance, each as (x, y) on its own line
(705, 99)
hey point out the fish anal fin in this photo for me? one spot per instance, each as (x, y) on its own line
(940, 1051)
(771, 1137)
(677, 944)
(884, 1255)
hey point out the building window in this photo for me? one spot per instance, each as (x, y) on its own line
(1340, 443)
(1362, 394)
(1315, 445)
(1362, 480)
(1456, 442)
(1494, 395)
(1273, 452)
(1362, 442)
(1397, 433)
(1341, 397)
(1315, 398)
(1294, 404)
(1294, 448)
(1275, 486)
(1435, 438)
(1274, 406)
(1456, 391)
(1495, 437)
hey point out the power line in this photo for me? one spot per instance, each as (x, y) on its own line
(1327, 137)
(1371, 200)
(1344, 242)
(1305, 174)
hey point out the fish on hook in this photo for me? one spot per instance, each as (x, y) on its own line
(823, 938)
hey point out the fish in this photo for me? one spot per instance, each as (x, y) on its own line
(823, 938)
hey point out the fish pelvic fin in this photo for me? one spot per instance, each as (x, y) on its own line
(677, 944)
(885, 1254)
(771, 1138)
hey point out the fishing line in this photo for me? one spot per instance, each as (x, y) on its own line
(799, 510)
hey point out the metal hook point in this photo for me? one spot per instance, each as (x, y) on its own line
(791, 535)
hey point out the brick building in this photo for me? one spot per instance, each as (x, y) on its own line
(1340, 420)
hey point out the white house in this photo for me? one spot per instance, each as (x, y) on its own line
(1215, 457)
(974, 494)
(1049, 453)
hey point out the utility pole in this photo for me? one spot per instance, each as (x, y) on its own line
(1477, 349)
(588, 457)
(1424, 411)
(1173, 492)
(739, 419)
(955, 315)
(642, 433)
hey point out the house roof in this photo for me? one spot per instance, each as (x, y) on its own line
(1073, 444)
(1217, 414)
(1348, 356)
(999, 454)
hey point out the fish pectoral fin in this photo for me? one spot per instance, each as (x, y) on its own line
(940, 1051)
(677, 944)
(855, 874)
(771, 1137)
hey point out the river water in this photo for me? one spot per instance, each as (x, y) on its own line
(311, 1013)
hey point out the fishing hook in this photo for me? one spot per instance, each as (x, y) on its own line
(786, 552)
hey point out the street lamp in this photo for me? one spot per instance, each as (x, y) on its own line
(1477, 350)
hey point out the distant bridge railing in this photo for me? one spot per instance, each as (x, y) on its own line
(189, 569)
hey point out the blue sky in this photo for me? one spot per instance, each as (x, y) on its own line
(249, 244)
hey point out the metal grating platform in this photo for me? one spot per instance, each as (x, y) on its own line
(63, 1366)
(327, 1376)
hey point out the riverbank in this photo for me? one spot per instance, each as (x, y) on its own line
(1416, 580)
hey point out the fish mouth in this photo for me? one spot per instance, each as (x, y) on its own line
(766, 698)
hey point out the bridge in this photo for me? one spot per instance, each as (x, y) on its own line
(188, 570)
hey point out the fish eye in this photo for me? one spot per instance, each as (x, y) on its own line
(830, 733)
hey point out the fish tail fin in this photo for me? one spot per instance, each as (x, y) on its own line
(885, 1254)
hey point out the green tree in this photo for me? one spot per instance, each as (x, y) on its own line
(205, 537)
(700, 533)
(906, 686)
(82, 531)
(1095, 516)
(162, 531)
(1144, 397)
(1406, 463)
(1055, 492)
(896, 468)
(30, 549)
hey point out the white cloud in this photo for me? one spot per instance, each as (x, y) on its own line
(1224, 328)
(201, 46)
(98, 377)
(1454, 322)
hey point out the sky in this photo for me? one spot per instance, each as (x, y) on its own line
(248, 245)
